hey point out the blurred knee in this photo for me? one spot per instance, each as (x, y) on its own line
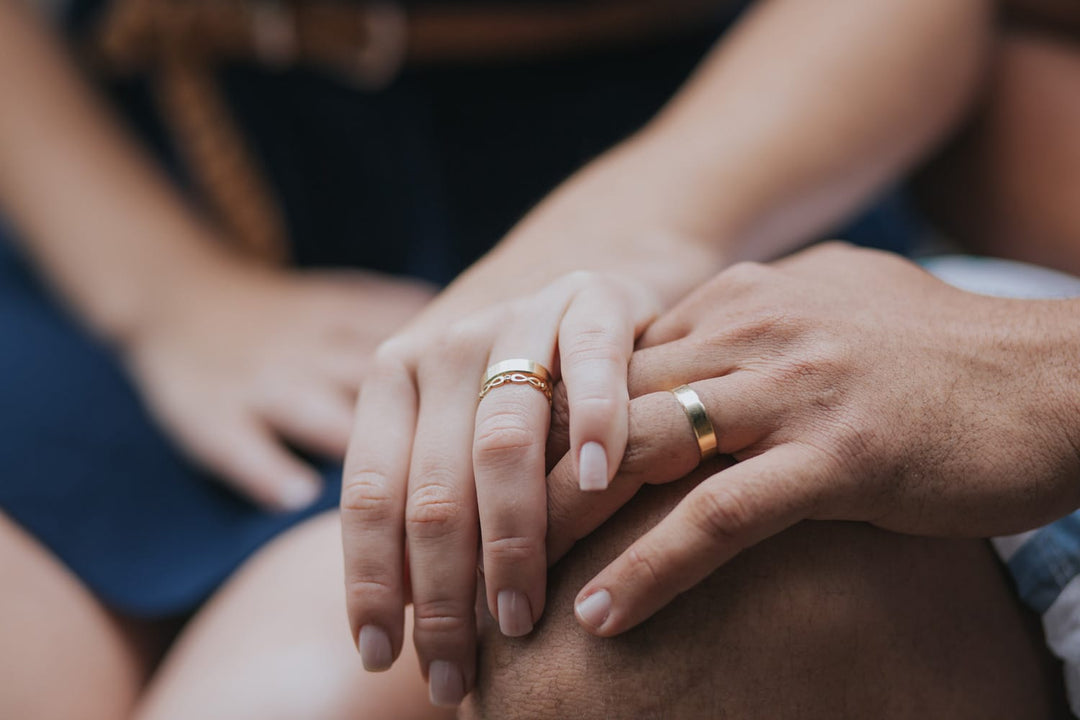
(824, 616)
(63, 655)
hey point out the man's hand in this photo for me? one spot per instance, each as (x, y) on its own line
(846, 385)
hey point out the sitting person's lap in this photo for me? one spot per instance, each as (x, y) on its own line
(825, 620)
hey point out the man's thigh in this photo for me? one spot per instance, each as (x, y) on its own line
(826, 620)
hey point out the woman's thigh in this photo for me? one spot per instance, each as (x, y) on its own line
(63, 656)
(274, 643)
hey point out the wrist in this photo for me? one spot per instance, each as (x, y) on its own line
(1052, 346)
(163, 289)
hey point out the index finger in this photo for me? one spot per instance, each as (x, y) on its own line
(727, 513)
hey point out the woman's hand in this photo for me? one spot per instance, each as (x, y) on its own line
(250, 360)
(428, 464)
(848, 385)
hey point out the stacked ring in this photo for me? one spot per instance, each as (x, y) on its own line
(517, 371)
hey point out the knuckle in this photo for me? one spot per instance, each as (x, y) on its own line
(722, 515)
(770, 329)
(393, 353)
(831, 248)
(512, 549)
(464, 336)
(370, 590)
(441, 617)
(745, 275)
(643, 561)
(560, 407)
(589, 346)
(367, 495)
(599, 410)
(502, 437)
(434, 510)
(577, 280)
(648, 460)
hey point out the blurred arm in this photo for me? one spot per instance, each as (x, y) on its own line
(100, 221)
(810, 108)
(802, 112)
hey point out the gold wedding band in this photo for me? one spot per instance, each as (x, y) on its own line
(518, 371)
(699, 420)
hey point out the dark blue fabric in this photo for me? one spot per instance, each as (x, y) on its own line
(86, 471)
(419, 179)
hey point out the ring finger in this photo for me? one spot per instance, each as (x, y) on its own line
(662, 447)
(512, 422)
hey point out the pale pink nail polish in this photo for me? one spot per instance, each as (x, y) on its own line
(594, 610)
(515, 614)
(446, 684)
(375, 648)
(298, 492)
(592, 467)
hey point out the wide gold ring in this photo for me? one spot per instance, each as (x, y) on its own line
(518, 371)
(699, 420)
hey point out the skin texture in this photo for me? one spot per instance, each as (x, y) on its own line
(425, 468)
(826, 620)
(850, 385)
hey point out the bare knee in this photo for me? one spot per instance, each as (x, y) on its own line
(825, 620)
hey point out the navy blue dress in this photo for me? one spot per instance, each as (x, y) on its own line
(417, 179)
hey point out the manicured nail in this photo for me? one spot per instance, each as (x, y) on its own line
(515, 614)
(375, 648)
(446, 684)
(594, 610)
(299, 492)
(592, 467)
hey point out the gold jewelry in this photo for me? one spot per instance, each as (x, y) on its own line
(699, 420)
(518, 371)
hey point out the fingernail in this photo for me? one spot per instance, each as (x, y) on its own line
(446, 684)
(594, 610)
(515, 614)
(592, 467)
(298, 493)
(375, 648)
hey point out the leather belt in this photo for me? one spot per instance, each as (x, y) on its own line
(371, 42)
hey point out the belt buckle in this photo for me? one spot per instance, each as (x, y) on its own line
(381, 55)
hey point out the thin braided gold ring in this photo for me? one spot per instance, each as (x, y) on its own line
(518, 371)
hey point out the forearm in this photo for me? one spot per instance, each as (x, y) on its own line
(95, 215)
(808, 109)
(801, 113)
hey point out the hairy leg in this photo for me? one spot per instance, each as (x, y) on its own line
(63, 656)
(1006, 187)
(827, 620)
(274, 643)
